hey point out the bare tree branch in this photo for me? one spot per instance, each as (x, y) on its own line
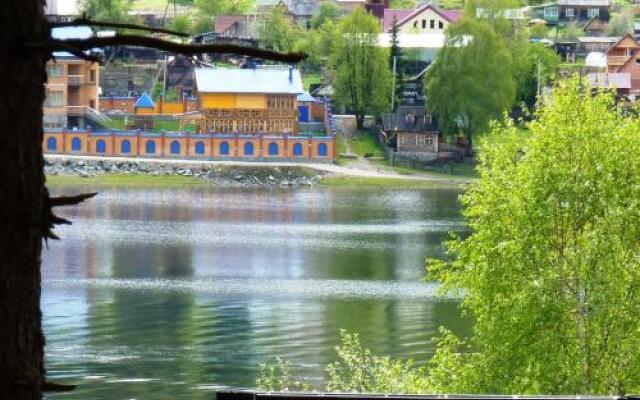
(83, 21)
(81, 54)
(70, 200)
(165, 45)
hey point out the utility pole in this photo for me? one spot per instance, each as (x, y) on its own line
(538, 81)
(164, 77)
(393, 85)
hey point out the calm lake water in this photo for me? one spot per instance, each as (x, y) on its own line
(171, 294)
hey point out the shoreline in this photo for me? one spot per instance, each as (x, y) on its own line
(118, 171)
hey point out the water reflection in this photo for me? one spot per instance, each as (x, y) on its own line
(171, 294)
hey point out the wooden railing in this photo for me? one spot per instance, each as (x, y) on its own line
(255, 395)
(246, 113)
(617, 60)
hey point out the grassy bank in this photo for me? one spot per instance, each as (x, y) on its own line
(398, 183)
(126, 180)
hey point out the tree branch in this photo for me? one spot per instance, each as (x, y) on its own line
(84, 21)
(165, 45)
(81, 54)
(70, 200)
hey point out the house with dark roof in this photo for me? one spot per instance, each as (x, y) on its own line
(412, 133)
(424, 19)
(595, 27)
(567, 11)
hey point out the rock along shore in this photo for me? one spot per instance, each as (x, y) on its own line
(220, 175)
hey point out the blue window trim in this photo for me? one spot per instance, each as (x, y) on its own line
(297, 149)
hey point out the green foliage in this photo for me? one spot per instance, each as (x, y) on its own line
(402, 4)
(570, 31)
(451, 4)
(106, 10)
(181, 23)
(620, 23)
(277, 377)
(551, 270)
(212, 8)
(327, 11)
(277, 31)
(526, 56)
(471, 81)
(317, 43)
(362, 79)
(359, 370)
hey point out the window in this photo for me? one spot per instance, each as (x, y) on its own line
(568, 13)
(175, 147)
(432, 24)
(92, 75)
(150, 147)
(51, 144)
(200, 148)
(273, 149)
(54, 70)
(297, 149)
(224, 148)
(54, 99)
(101, 147)
(424, 24)
(322, 150)
(593, 12)
(125, 147)
(551, 12)
(440, 25)
(76, 145)
(415, 24)
(248, 149)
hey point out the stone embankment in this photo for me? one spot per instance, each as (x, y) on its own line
(222, 175)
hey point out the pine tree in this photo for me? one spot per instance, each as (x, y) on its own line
(395, 54)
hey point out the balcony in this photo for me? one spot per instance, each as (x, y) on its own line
(76, 80)
(76, 111)
(617, 60)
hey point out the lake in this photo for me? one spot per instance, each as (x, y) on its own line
(174, 293)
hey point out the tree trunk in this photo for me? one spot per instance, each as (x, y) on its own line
(22, 198)
(360, 121)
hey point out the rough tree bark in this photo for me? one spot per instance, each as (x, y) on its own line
(22, 198)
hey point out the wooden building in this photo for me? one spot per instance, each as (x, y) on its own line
(249, 101)
(566, 11)
(624, 57)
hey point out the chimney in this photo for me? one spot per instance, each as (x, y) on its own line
(290, 73)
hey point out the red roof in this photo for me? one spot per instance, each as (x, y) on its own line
(389, 13)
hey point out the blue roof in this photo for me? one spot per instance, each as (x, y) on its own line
(306, 97)
(144, 101)
(259, 80)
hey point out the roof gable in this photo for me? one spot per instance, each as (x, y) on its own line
(626, 41)
(450, 17)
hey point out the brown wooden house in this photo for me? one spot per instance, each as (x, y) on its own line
(624, 57)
